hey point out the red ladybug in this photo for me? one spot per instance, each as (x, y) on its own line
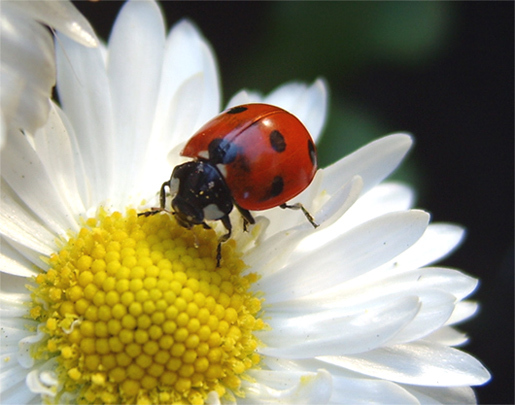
(253, 156)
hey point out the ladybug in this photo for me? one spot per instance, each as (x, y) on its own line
(252, 157)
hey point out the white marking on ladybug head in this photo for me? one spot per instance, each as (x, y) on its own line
(174, 185)
(204, 154)
(212, 212)
(222, 169)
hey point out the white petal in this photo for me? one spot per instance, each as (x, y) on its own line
(25, 347)
(26, 175)
(417, 363)
(188, 54)
(436, 308)
(180, 120)
(12, 321)
(382, 199)
(286, 95)
(434, 291)
(369, 391)
(443, 395)
(384, 280)
(380, 281)
(89, 112)
(14, 307)
(9, 378)
(245, 97)
(13, 304)
(439, 240)
(331, 333)
(28, 70)
(308, 104)
(3, 130)
(54, 147)
(373, 162)
(348, 385)
(339, 202)
(61, 15)
(463, 311)
(453, 281)
(13, 262)
(135, 56)
(337, 205)
(19, 394)
(447, 336)
(11, 333)
(352, 254)
(435, 288)
(274, 252)
(80, 182)
(273, 387)
(37, 260)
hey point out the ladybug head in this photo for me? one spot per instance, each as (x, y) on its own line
(199, 193)
(186, 214)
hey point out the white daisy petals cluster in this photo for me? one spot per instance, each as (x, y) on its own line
(355, 311)
(27, 60)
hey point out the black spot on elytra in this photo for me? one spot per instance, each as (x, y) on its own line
(277, 187)
(243, 164)
(237, 110)
(222, 151)
(277, 141)
(312, 152)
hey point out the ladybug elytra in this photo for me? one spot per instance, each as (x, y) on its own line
(253, 156)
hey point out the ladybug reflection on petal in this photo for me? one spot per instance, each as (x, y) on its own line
(253, 156)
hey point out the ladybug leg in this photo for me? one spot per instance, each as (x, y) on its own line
(162, 195)
(247, 217)
(162, 202)
(147, 213)
(299, 206)
(227, 223)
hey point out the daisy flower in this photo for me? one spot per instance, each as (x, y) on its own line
(27, 59)
(100, 305)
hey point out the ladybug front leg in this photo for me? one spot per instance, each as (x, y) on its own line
(162, 194)
(299, 206)
(227, 223)
(162, 201)
(247, 217)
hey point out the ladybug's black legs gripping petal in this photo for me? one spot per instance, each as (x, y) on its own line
(149, 213)
(162, 194)
(299, 206)
(227, 223)
(247, 217)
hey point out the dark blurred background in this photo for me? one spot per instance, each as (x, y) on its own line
(443, 71)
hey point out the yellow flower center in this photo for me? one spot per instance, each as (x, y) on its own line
(136, 311)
